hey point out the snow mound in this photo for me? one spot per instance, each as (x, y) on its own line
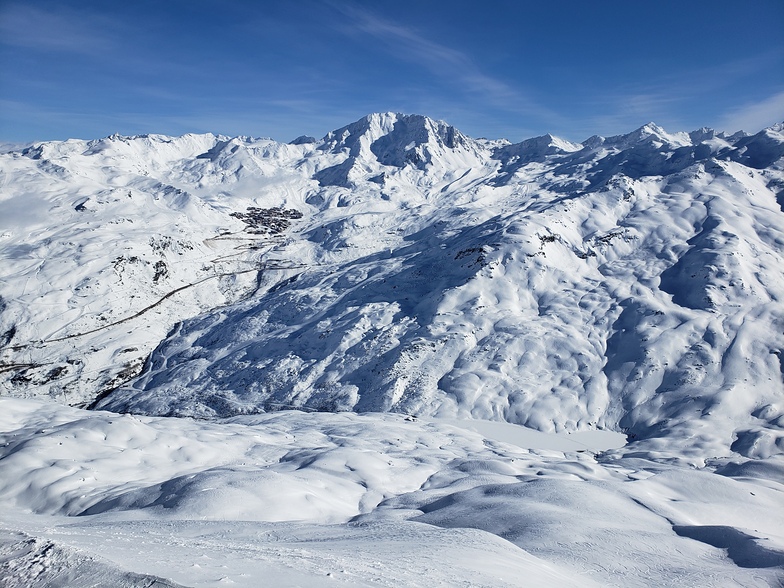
(323, 499)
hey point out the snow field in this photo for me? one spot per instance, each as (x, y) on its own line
(326, 492)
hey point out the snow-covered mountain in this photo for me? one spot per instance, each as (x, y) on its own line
(632, 284)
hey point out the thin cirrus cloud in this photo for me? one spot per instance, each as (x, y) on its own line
(681, 100)
(754, 115)
(442, 61)
(60, 30)
(727, 79)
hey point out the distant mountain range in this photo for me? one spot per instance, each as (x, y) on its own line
(633, 282)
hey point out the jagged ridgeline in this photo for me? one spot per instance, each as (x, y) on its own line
(630, 282)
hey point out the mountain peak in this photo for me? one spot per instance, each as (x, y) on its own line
(649, 133)
(389, 139)
(703, 134)
(535, 149)
(777, 128)
(365, 130)
(373, 127)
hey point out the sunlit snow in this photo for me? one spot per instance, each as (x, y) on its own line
(396, 356)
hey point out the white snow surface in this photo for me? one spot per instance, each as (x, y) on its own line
(469, 331)
(322, 499)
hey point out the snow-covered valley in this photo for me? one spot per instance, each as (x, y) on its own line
(395, 356)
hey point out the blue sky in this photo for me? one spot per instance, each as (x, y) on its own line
(283, 68)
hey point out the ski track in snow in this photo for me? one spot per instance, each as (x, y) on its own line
(624, 293)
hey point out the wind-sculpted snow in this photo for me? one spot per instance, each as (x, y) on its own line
(351, 499)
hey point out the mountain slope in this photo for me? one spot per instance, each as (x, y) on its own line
(630, 282)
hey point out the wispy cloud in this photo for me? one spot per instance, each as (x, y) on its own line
(444, 62)
(681, 100)
(753, 116)
(623, 111)
(62, 29)
(728, 74)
